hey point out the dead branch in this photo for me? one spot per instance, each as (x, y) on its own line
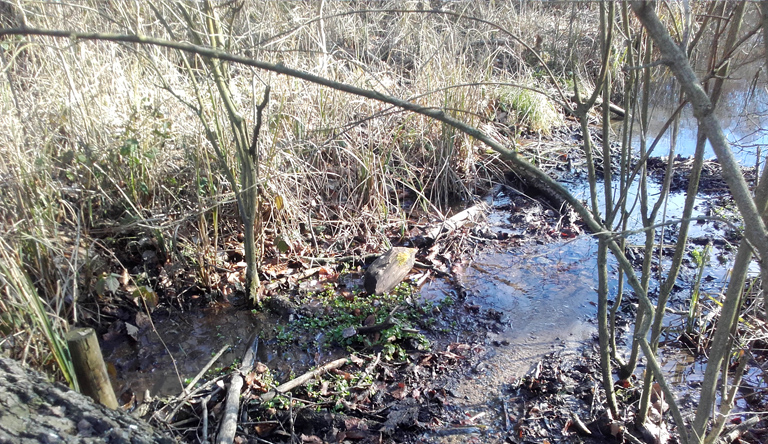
(471, 214)
(228, 425)
(303, 379)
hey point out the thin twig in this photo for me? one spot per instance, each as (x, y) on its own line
(203, 371)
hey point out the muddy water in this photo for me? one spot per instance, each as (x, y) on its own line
(546, 296)
(183, 342)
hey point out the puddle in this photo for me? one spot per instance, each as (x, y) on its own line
(190, 339)
(546, 296)
(541, 288)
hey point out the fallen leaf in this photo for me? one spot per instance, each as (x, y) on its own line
(355, 434)
(356, 360)
(115, 331)
(233, 278)
(142, 320)
(265, 429)
(312, 439)
(132, 331)
(125, 278)
(399, 392)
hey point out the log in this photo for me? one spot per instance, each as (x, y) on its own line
(458, 220)
(471, 214)
(32, 410)
(228, 426)
(616, 109)
(389, 270)
(89, 366)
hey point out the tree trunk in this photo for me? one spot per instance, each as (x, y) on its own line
(33, 410)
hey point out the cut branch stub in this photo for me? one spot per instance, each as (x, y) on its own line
(389, 269)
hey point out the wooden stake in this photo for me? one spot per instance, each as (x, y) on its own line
(89, 366)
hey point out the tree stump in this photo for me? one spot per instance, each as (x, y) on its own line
(34, 410)
(389, 269)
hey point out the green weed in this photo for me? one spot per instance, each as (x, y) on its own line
(529, 109)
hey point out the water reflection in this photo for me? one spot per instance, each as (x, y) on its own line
(742, 112)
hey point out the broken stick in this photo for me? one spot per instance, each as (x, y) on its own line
(228, 425)
(303, 379)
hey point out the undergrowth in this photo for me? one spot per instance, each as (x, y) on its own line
(335, 316)
(103, 156)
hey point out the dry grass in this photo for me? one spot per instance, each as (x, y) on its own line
(97, 147)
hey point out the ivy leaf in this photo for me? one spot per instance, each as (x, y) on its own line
(147, 295)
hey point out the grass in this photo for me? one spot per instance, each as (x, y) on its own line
(99, 150)
(529, 109)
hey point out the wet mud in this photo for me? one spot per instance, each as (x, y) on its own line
(512, 358)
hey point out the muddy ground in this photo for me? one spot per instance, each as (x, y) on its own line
(493, 340)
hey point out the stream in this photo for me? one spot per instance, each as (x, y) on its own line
(544, 294)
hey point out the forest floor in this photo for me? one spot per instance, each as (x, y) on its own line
(441, 362)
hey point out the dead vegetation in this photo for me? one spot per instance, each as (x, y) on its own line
(123, 164)
(108, 178)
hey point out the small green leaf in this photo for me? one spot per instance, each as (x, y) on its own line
(129, 147)
(282, 245)
(106, 283)
(147, 295)
(112, 284)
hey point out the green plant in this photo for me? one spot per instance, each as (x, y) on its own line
(700, 259)
(22, 303)
(529, 109)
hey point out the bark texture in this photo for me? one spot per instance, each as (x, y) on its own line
(389, 270)
(34, 410)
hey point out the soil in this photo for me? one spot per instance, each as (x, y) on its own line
(496, 369)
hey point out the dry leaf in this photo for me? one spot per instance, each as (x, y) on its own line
(265, 429)
(132, 331)
(312, 439)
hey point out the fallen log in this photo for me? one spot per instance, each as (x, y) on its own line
(32, 409)
(614, 108)
(389, 270)
(458, 220)
(472, 214)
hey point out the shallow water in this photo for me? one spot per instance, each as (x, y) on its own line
(188, 340)
(742, 112)
(546, 295)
